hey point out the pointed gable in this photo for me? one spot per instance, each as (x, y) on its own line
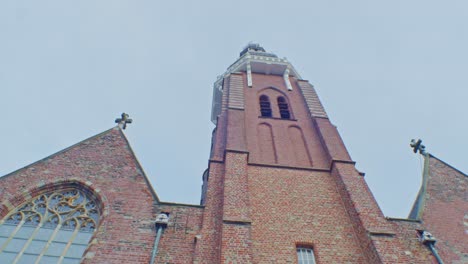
(106, 166)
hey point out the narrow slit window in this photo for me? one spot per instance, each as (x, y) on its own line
(283, 108)
(265, 106)
(305, 255)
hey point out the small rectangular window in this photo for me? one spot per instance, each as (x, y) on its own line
(305, 255)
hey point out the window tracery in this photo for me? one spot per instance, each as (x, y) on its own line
(54, 227)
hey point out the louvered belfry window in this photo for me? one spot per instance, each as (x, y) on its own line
(283, 108)
(54, 227)
(265, 106)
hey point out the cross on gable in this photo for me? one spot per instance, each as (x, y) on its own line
(418, 146)
(123, 120)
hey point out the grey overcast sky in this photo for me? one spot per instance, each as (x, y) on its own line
(386, 72)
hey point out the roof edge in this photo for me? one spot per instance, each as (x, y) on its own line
(58, 152)
(418, 205)
(452, 167)
(153, 192)
(181, 204)
(403, 219)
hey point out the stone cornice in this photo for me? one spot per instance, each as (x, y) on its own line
(259, 64)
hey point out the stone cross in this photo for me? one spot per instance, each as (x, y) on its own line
(123, 120)
(418, 146)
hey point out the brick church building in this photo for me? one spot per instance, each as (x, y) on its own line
(280, 188)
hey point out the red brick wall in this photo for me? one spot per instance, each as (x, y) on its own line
(236, 205)
(446, 210)
(286, 152)
(292, 207)
(178, 240)
(208, 247)
(407, 237)
(236, 243)
(331, 139)
(260, 206)
(236, 232)
(267, 206)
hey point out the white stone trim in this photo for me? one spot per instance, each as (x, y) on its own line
(246, 60)
(249, 75)
(286, 79)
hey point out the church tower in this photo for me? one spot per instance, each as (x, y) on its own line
(281, 185)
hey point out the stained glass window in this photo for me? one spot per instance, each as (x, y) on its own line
(54, 227)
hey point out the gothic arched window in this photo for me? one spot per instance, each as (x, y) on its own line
(283, 108)
(54, 227)
(265, 107)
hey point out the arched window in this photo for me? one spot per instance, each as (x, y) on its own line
(54, 227)
(283, 108)
(265, 107)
